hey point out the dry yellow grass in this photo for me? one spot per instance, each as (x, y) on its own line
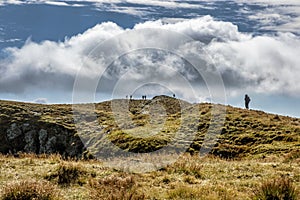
(190, 177)
(254, 149)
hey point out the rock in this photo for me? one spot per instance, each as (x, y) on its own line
(26, 127)
(51, 146)
(75, 148)
(61, 144)
(34, 138)
(13, 132)
(30, 139)
(43, 135)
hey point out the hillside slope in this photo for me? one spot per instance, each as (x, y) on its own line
(142, 126)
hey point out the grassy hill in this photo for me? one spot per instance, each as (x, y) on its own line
(144, 126)
(253, 151)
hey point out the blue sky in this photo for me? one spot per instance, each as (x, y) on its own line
(253, 45)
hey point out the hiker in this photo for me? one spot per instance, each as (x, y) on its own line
(130, 97)
(173, 95)
(247, 101)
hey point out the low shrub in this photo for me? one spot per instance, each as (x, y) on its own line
(67, 173)
(188, 165)
(26, 190)
(115, 188)
(276, 189)
(197, 193)
(293, 155)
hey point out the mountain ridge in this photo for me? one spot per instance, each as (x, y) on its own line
(146, 126)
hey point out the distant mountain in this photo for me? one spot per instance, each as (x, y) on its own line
(142, 126)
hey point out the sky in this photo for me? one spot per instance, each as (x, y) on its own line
(201, 50)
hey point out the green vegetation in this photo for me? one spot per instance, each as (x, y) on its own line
(67, 173)
(256, 156)
(150, 125)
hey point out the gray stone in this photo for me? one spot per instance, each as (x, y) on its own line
(30, 139)
(26, 127)
(13, 132)
(50, 146)
(43, 135)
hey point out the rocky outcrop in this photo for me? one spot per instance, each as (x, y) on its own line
(42, 139)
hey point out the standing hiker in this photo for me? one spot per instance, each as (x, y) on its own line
(247, 101)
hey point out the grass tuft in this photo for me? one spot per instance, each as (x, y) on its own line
(188, 165)
(200, 193)
(114, 188)
(68, 173)
(26, 190)
(293, 155)
(276, 189)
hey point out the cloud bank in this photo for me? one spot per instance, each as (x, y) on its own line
(274, 15)
(165, 3)
(266, 64)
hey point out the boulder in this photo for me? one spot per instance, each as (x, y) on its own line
(13, 132)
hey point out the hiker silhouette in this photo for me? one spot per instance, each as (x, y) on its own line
(247, 101)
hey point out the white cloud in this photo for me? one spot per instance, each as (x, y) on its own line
(292, 26)
(165, 3)
(137, 11)
(11, 40)
(41, 100)
(161, 3)
(58, 3)
(269, 17)
(280, 15)
(131, 7)
(271, 2)
(50, 64)
(203, 29)
(268, 64)
(4, 2)
(55, 3)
